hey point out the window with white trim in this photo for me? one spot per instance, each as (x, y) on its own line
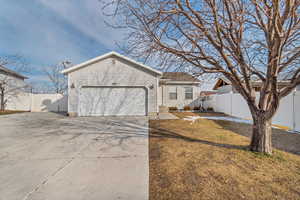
(173, 93)
(188, 92)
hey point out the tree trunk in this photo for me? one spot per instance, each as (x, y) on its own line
(2, 103)
(261, 136)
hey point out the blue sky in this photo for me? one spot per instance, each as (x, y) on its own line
(47, 32)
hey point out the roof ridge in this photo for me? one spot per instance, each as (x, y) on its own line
(104, 56)
(12, 72)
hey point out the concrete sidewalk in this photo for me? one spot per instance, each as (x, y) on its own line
(48, 156)
(164, 116)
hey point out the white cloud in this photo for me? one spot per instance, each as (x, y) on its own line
(87, 17)
(46, 32)
(33, 33)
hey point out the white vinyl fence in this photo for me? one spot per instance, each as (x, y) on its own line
(233, 104)
(38, 102)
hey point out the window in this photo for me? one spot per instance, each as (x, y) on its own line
(173, 93)
(188, 93)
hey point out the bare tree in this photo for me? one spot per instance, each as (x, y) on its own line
(57, 79)
(11, 83)
(244, 40)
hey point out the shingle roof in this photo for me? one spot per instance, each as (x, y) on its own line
(207, 93)
(179, 76)
(11, 72)
(282, 81)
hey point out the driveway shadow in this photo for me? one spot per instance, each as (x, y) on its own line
(164, 133)
(283, 140)
(118, 129)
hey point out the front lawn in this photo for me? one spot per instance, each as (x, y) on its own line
(8, 112)
(206, 160)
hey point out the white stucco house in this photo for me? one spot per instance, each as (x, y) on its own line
(114, 85)
(11, 78)
(178, 89)
(12, 86)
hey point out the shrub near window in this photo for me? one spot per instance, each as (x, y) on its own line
(187, 108)
(210, 109)
(196, 108)
(173, 109)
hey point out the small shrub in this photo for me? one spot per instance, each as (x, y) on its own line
(186, 108)
(210, 109)
(173, 108)
(197, 108)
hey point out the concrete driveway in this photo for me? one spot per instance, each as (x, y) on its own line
(49, 156)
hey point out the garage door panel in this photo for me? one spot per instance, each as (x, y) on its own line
(112, 101)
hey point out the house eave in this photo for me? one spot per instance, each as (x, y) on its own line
(12, 73)
(102, 57)
(179, 82)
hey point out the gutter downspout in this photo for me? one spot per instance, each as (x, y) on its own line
(162, 95)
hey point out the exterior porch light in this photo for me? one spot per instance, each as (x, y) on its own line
(151, 86)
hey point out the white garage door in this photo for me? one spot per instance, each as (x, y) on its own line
(112, 101)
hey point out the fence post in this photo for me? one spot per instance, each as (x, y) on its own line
(294, 114)
(31, 100)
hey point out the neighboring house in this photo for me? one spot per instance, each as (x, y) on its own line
(207, 93)
(178, 89)
(223, 85)
(7, 74)
(114, 85)
(12, 86)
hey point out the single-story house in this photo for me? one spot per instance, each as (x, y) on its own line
(114, 85)
(178, 89)
(16, 79)
(12, 86)
(223, 85)
(12, 81)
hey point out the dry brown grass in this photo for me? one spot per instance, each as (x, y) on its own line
(205, 161)
(8, 112)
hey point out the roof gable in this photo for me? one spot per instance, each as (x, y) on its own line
(108, 55)
(11, 73)
(221, 82)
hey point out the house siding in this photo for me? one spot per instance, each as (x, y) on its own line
(112, 71)
(13, 82)
(180, 102)
(15, 94)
